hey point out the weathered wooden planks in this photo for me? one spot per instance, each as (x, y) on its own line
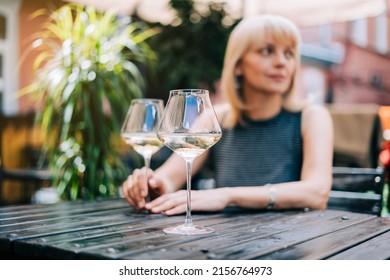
(111, 229)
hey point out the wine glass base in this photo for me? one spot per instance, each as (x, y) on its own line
(185, 229)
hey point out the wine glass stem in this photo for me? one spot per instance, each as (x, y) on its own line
(147, 166)
(188, 220)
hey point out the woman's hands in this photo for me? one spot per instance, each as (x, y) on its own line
(176, 203)
(137, 187)
(170, 202)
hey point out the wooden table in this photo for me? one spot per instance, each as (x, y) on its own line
(110, 229)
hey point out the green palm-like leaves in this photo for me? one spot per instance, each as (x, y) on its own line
(87, 73)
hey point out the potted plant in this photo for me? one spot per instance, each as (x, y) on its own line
(87, 73)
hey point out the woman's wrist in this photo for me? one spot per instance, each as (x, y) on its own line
(227, 194)
(248, 197)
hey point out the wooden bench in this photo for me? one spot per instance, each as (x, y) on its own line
(357, 189)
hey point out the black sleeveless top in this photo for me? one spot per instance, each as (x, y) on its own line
(260, 152)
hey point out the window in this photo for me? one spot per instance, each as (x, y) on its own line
(359, 32)
(9, 15)
(325, 34)
(314, 84)
(381, 33)
(3, 29)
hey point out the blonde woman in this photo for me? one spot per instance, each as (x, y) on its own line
(275, 153)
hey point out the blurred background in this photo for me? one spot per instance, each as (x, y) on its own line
(345, 65)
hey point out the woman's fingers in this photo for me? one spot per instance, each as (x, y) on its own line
(134, 189)
(157, 185)
(139, 185)
(168, 202)
(176, 203)
(182, 208)
(126, 192)
(140, 188)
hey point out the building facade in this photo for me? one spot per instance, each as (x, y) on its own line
(348, 62)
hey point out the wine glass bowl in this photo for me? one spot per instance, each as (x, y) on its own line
(139, 129)
(189, 127)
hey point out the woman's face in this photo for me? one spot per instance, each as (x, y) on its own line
(268, 68)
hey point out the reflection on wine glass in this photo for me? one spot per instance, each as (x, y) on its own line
(140, 127)
(189, 127)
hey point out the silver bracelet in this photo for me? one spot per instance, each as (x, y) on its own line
(272, 196)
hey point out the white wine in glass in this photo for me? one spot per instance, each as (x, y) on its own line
(189, 127)
(139, 129)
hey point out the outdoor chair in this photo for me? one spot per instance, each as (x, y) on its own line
(27, 176)
(30, 176)
(357, 189)
(357, 135)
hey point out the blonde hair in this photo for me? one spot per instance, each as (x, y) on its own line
(249, 34)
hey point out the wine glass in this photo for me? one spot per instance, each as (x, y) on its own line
(189, 127)
(140, 127)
